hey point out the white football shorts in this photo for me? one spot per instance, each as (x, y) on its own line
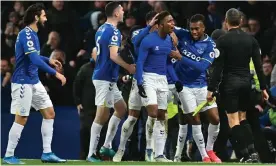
(156, 88)
(107, 93)
(25, 96)
(192, 97)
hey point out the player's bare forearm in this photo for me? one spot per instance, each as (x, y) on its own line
(118, 60)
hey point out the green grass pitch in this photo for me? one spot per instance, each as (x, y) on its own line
(134, 163)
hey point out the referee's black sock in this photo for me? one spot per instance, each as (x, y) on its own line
(238, 135)
(248, 136)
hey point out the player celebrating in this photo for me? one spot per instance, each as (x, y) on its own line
(151, 77)
(27, 89)
(108, 41)
(135, 102)
(198, 52)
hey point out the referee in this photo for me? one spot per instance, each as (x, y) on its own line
(236, 49)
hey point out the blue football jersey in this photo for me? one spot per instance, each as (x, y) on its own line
(153, 55)
(134, 37)
(197, 58)
(105, 69)
(137, 37)
(25, 71)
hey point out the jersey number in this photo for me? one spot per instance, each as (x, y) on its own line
(98, 45)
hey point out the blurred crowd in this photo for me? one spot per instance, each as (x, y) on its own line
(68, 35)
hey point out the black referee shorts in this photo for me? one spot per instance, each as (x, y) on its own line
(235, 94)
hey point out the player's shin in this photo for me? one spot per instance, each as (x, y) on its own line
(149, 132)
(159, 134)
(102, 116)
(213, 131)
(120, 109)
(47, 134)
(14, 136)
(127, 129)
(94, 138)
(111, 131)
(47, 128)
(199, 139)
(159, 137)
(182, 133)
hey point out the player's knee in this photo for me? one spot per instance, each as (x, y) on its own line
(182, 118)
(48, 113)
(134, 113)
(120, 108)
(22, 120)
(161, 115)
(195, 120)
(215, 120)
(102, 115)
(152, 111)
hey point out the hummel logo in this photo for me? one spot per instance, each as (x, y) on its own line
(157, 48)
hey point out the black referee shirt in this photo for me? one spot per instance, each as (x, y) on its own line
(236, 49)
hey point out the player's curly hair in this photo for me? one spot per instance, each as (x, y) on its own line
(161, 16)
(31, 12)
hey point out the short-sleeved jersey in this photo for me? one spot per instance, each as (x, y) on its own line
(105, 69)
(153, 54)
(201, 51)
(25, 71)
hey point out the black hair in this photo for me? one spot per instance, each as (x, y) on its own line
(197, 17)
(161, 16)
(110, 7)
(216, 34)
(31, 12)
(233, 17)
(150, 15)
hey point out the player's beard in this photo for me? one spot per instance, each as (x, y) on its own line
(39, 25)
